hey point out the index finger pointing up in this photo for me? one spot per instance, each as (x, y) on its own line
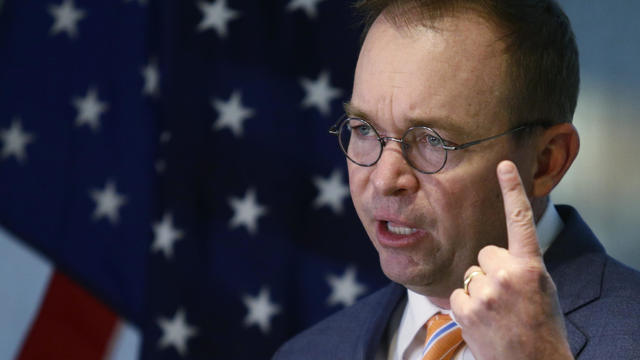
(521, 230)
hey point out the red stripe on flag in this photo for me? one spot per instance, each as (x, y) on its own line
(71, 325)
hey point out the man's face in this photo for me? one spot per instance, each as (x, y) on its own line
(428, 229)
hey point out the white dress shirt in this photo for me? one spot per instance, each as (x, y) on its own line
(407, 333)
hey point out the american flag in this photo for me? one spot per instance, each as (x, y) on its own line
(168, 188)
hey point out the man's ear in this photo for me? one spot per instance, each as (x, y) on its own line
(557, 147)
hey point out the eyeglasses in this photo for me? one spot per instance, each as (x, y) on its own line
(422, 147)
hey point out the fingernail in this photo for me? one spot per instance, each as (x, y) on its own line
(505, 168)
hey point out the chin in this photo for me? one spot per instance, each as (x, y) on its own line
(429, 276)
(404, 270)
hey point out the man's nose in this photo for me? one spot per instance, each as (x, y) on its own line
(392, 175)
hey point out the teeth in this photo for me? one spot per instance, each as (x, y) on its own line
(400, 230)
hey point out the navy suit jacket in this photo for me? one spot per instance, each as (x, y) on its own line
(599, 296)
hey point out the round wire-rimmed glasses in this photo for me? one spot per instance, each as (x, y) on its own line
(422, 147)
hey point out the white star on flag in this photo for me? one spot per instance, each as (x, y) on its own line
(108, 202)
(260, 310)
(15, 141)
(345, 290)
(216, 15)
(319, 93)
(66, 18)
(151, 76)
(331, 191)
(309, 6)
(231, 113)
(176, 332)
(89, 109)
(246, 212)
(165, 236)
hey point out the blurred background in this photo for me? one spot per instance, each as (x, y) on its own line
(168, 188)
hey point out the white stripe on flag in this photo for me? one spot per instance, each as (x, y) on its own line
(126, 343)
(24, 276)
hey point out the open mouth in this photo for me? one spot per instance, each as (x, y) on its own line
(394, 235)
(400, 230)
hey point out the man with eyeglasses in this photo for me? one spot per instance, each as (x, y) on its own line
(458, 128)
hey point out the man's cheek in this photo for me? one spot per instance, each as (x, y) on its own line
(357, 184)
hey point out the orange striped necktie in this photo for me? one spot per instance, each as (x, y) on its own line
(444, 338)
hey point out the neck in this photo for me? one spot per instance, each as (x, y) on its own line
(539, 205)
(442, 303)
(439, 299)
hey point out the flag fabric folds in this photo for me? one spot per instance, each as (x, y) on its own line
(171, 160)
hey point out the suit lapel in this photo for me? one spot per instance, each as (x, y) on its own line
(380, 317)
(576, 263)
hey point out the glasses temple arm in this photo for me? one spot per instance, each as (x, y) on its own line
(475, 142)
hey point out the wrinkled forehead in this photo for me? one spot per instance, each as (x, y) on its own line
(454, 69)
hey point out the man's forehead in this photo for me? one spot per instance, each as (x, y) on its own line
(433, 15)
(458, 23)
(422, 74)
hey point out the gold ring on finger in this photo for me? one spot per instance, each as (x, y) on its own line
(468, 279)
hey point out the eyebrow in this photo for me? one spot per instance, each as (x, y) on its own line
(445, 124)
(353, 111)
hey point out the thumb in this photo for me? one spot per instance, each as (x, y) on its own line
(521, 230)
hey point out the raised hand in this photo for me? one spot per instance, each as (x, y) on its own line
(510, 309)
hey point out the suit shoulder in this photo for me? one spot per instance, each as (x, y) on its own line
(344, 335)
(611, 321)
(619, 290)
(621, 281)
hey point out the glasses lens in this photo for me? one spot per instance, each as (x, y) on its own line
(359, 141)
(424, 149)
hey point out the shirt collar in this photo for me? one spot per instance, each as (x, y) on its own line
(548, 227)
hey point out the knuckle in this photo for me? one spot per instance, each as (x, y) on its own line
(511, 187)
(521, 216)
(503, 279)
(488, 298)
(486, 252)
